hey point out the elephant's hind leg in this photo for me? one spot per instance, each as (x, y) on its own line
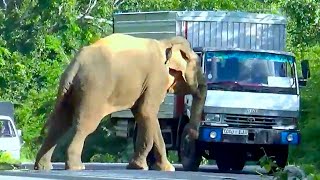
(87, 118)
(59, 123)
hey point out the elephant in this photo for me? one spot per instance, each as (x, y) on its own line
(115, 73)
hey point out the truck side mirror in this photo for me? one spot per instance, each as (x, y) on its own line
(305, 69)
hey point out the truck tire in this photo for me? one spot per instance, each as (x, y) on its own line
(227, 159)
(239, 161)
(223, 162)
(190, 153)
(280, 154)
(183, 120)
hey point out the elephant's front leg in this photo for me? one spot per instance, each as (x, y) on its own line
(144, 140)
(148, 135)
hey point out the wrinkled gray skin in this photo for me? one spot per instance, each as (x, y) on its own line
(113, 74)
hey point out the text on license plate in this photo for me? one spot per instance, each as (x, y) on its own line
(235, 131)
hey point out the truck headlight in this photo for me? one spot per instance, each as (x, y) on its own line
(212, 117)
(289, 137)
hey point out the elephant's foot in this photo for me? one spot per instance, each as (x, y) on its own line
(74, 166)
(43, 165)
(136, 165)
(167, 166)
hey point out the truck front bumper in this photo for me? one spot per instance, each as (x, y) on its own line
(248, 135)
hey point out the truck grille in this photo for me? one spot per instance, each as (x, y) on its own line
(250, 121)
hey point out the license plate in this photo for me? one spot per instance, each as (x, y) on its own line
(235, 131)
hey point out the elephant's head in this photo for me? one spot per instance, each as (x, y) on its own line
(183, 65)
(186, 77)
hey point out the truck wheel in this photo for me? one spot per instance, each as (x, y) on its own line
(223, 163)
(239, 161)
(227, 160)
(182, 123)
(280, 154)
(189, 153)
(223, 158)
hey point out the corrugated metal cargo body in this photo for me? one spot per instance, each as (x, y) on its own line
(218, 29)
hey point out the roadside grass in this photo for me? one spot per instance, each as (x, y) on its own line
(292, 171)
(7, 162)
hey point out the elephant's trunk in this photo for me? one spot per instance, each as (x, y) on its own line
(198, 102)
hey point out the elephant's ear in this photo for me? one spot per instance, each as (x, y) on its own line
(177, 59)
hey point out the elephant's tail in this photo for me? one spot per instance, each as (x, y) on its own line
(65, 88)
(68, 76)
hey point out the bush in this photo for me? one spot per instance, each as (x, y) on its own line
(309, 123)
(7, 162)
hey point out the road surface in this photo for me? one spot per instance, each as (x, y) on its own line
(118, 172)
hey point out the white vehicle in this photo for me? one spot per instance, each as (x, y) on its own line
(253, 97)
(10, 136)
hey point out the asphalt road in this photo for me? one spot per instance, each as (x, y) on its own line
(118, 172)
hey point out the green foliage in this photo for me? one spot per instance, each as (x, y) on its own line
(166, 5)
(173, 156)
(103, 158)
(312, 172)
(304, 41)
(309, 122)
(304, 22)
(5, 157)
(7, 162)
(269, 164)
(37, 41)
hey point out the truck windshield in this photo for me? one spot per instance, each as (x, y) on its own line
(250, 69)
(6, 129)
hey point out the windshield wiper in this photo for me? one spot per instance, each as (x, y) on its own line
(234, 85)
(225, 84)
